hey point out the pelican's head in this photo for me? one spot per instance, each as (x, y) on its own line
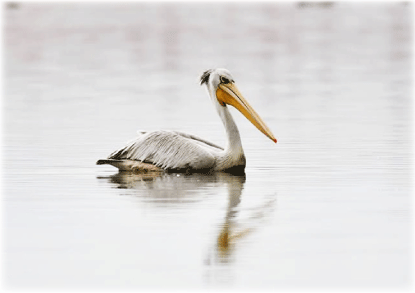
(222, 86)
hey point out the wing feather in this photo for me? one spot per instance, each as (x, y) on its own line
(194, 137)
(168, 150)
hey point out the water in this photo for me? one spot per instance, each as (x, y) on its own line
(328, 206)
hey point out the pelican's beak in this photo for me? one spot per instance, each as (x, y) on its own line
(229, 94)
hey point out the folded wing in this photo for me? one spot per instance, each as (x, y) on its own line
(169, 150)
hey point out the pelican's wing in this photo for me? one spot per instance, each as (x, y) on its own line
(190, 136)
(169, 150)
(199, 139)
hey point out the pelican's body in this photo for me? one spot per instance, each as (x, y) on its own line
(176, 151)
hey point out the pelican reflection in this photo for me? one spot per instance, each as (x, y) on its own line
(169, 189)
(173, 187)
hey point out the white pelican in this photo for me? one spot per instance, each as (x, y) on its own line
(177, 152)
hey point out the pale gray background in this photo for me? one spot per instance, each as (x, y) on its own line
(328, 206)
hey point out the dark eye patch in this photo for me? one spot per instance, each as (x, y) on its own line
(224, 80)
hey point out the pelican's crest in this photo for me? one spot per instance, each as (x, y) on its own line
(205, 76)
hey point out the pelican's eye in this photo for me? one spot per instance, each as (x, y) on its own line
(224, 80)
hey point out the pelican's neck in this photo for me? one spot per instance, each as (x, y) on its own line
(233, 154)
(233, 142)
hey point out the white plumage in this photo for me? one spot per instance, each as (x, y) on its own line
(177, 151)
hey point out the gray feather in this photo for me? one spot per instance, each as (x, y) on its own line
(169, 150)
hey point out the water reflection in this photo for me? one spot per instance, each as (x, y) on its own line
(126, 180)
(227, 236)
(164, 188)
(234, 229)
(174, 188)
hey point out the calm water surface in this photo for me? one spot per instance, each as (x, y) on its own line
(328, 206)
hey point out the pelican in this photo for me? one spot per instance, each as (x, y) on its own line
(177, 152)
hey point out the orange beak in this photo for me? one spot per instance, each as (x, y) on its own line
(229, 94)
